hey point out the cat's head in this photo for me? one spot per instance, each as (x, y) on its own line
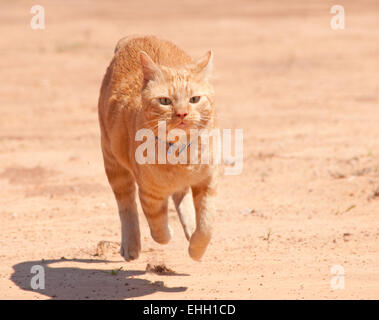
(183, 98)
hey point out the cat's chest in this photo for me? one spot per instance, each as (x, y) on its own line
(171, 178)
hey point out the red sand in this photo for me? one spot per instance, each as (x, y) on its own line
(306, 97)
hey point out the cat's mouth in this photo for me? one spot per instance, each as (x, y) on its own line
(187, 125)
(182, 124)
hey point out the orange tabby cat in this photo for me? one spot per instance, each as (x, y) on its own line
(151, 80)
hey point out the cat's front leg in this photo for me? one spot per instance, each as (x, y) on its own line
(123, 186)
(204, 201)
(155, 208)
(130, 233)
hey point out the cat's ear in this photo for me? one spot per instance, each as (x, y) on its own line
(149, 69)
(205, 65)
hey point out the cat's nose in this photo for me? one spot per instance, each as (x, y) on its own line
(182, 115)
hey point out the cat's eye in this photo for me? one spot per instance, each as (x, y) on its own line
(165, 101)
(195, 99)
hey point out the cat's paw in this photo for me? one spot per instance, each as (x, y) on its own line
(162, 236)
(130, 252)
(198, 244)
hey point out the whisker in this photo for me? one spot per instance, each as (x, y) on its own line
(152, 124)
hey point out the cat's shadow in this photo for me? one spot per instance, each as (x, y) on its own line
(76, 283)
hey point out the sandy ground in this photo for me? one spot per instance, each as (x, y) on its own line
(306, 97)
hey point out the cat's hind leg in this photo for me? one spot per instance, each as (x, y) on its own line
(184, 206)
(155, 208)
(124, 189)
